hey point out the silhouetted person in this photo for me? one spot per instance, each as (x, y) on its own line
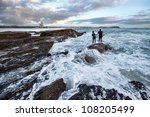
(100, 33)
(93, 37)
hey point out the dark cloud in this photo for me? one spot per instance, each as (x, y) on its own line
(23, 16)
(27, 12)
(21, 12)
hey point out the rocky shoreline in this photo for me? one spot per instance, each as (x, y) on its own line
(21, 49)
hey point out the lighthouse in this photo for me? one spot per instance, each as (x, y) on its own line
(41, 24)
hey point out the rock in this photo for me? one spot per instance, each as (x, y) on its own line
(52, 91)
(14, 35)
(137, 85)
(94, 92)
(89, 59)
(21, 87)
(140, 87)
(21, 51)
(24, 56)
(67, 33)
(144, 95)
(100, 47)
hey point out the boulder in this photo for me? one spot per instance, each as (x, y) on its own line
(100, 47)
(66, 33)
(52, 91)
(94, 92)
(89, 59)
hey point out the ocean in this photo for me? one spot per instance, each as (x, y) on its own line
(128, 60)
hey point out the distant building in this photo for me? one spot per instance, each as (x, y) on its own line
(41, 25)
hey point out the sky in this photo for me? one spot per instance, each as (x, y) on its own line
(123, 13)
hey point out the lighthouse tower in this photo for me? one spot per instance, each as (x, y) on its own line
(41, 24)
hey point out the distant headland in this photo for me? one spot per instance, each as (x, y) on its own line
(3, 26)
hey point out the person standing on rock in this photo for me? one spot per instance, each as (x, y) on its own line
(100, 33)
(93, 37)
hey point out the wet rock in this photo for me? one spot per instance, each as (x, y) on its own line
(94, 92)
(100, 47)
(21, 50)
(13, 35)
(137, 85)
(140, 87)
(52, 91)
(144, 95)
(24, 56)
(20, 87)
(67, 33)
(89, 59)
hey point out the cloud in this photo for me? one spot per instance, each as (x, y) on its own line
(81, 5)
(99, 20)
(77, 7)
(28, 12)
(139, 19)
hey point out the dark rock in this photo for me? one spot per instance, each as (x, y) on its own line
(140, 87)
(19, 88)
(128, 98)
(23, 50)
(52, 91)
(137, 85)
(79, 51)
(24, 56)
(89, 59)
(13, 35)
(49, 54)
(144, 95)
(100, 47)
(94, 92)
(67, 33)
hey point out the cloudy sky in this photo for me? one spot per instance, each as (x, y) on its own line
(123, 13)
